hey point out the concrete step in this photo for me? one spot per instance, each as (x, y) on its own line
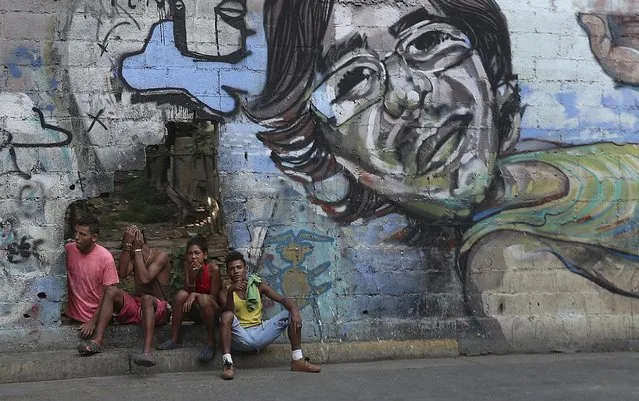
(67, 364)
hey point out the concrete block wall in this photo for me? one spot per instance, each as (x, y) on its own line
(447, 172)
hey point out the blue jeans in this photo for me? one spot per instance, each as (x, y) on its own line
(257, 337)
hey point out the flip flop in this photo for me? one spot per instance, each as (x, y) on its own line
(89, 348)
(144, 359)
(207, 353)
(167, 345)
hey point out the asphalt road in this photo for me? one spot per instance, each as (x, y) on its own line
(582, 377)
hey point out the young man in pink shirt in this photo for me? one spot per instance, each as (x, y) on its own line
(90, 270)
(149, 307)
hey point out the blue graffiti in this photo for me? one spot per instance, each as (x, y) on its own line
(22, 55)
(216, 83)
(294, 278)
(569, 101)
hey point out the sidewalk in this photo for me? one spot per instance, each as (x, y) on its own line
(538, 377)
(67, 364)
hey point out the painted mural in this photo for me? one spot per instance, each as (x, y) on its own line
(423, 118)
(614, 44)
(426, 167)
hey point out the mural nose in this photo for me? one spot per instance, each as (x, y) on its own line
(406, 87)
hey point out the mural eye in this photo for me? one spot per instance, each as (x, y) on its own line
(438, 47)
(179, 5)
(231, 10)
(356, 83)
(351, 87)
(427, 42)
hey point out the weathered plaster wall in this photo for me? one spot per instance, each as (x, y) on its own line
(409, 169)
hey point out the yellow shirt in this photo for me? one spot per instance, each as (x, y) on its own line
(246, 317)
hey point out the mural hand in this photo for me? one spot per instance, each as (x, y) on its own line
(617, 51)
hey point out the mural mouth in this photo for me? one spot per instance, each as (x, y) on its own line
(435, 151)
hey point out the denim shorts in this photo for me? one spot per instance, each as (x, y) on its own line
(257, 337)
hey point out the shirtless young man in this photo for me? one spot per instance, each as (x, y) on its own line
(241, 324)
(149, 306)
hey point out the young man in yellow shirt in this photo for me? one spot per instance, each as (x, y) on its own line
(241, 324)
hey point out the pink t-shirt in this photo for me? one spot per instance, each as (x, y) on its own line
(86, 275)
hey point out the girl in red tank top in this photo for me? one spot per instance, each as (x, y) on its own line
(197, 301)
(203, 279)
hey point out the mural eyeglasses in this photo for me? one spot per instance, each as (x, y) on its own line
(361, 79)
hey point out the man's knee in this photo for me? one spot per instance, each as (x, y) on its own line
(112, 292)
(147, 301)
(204, 301)
(227, 318)
(181, 297)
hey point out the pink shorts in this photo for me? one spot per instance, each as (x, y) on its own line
(131, 312)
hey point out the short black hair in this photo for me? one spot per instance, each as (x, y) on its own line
(90, 221)
(233, 256)
(199, 241)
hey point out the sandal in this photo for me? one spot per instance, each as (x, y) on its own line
(207, 353)
(89, 348)
(144, 359)
(167, 345)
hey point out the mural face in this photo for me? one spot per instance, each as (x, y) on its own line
(423, 115)
(410, 113)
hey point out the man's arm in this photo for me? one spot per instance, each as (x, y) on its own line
(226, 300)
(109, 279)
(296, 319)
(216, 280)
(146, 274)
(125, 265)
(226, 296)
(142, 272)
(87, 328)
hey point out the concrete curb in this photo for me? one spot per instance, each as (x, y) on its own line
(67, 364)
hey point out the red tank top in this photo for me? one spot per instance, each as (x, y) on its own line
(203, 280)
